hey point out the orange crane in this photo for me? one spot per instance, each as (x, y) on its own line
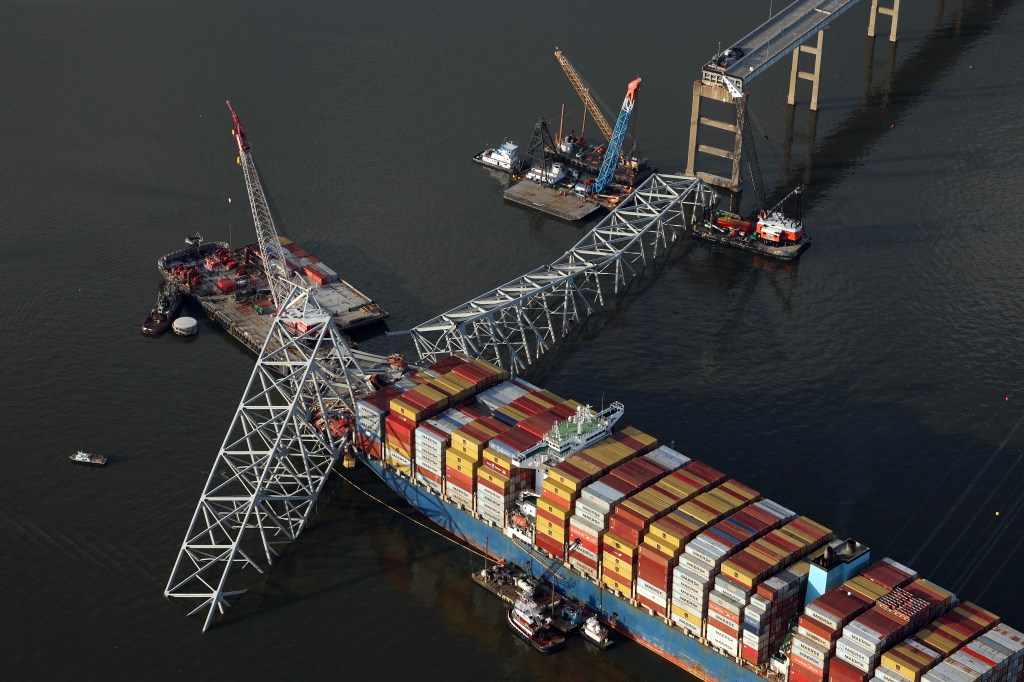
(584, 92)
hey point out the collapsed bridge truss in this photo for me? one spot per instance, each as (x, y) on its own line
(516, 323)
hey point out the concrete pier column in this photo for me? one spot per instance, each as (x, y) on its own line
(814, 77)
(892, 12)
(703, 90)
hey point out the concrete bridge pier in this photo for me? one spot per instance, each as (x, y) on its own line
(892, 12)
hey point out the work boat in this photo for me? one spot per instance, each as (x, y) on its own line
(505, 157)
(529, 623)
(595, 633)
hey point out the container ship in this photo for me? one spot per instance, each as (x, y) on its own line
(668, 551)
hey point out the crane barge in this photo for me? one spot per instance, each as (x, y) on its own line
(241, 288)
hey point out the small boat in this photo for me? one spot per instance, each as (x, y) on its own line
(168, 304)
(527, 621)
(504, 158)
(87, 458)
(595, 633)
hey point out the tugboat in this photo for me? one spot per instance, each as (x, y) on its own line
(504, 158)
(168, 304)
(596, 634)
(87, 458)
(527, 621)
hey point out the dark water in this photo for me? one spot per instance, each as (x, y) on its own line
(863, 387)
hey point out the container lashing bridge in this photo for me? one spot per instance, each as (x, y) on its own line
(797, 29)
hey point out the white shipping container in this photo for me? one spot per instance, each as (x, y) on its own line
(685, 624)
(584, 552)
(651, 595)
(723, 641)
(822, 616)
(778, 510)
(820, 641)
(863, 636)
(697, 566)
(667, 458)
(856, 655)
(585, 510)
(682, 577)
(737, 591)
(726, 602)
(458, 495)
(886, 675)
(601, 496)
(688, 603)
(653, 592)
(433, 485)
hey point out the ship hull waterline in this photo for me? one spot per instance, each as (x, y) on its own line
(647, 630)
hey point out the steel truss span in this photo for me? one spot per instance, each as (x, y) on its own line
(275, 459)
(516, 323)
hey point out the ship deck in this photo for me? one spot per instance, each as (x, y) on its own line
(552, 201)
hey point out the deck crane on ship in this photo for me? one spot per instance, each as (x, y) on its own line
(611, 156)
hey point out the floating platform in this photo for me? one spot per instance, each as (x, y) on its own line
(558, 203)
(788, 252)
(247, 313)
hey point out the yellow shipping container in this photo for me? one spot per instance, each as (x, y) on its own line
(493, 477)
(407, 410)
(720, 500)
(554, 508)
(552, 531)
(467, 387)
(662, 535)
(984, 617)
(567, 480)
(865, 588)
(498, 458)
(649, 441)
(737, 491)
(699, 513)
(616, 586)
(456, 393)
(402, 468)
(613, 563)
(738, 573)
(656, 499)
(399, 448)
(593, 469)
(512, 413)
(896, 659)
(460, 460)
(560, 490)
(681, 489)
(686, 615)
(612, 540)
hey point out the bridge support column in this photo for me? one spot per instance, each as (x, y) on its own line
(893, 12)
(710, 91)
(814, 77)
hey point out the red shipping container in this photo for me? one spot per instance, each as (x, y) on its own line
(654, 577)
(429, 475)
(554, 520)
(660, 609)
(549, 544)
(724, 613)
(527, 406)
(557, 498)
(459, 479)
(841, 671)
(490, 485)
(495, 467)
(586, 561)
(605, 571)
(226, 285)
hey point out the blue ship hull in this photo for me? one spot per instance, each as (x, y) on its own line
(637, 624)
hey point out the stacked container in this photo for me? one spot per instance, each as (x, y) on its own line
(463, 457)
(818, 629)
(370, 413)
(432, 440)
(407, 411)
(996, 655)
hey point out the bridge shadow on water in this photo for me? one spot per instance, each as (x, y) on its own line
(886, 104)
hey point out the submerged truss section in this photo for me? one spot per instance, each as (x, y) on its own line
(286, 435)
(518, 322)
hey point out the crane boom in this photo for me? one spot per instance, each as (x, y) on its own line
(611, 155)
(270, 244)
(584, 92)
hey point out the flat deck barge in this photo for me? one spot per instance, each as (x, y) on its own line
(552, 201)
(240, 301)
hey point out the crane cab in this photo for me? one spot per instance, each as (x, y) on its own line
(775, 228)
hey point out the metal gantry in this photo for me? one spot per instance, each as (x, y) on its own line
(275, 459)
(516, 323)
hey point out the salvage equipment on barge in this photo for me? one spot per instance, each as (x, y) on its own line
(776, 233)
(669, 551)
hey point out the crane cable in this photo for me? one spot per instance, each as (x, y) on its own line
(942, 480)
(979, 537)
(373, 497)
(963, 494)
(993, 541)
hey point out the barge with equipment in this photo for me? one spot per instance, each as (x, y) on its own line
(231, 287)
(663, 549)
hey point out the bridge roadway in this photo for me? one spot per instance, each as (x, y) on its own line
(777, 38)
